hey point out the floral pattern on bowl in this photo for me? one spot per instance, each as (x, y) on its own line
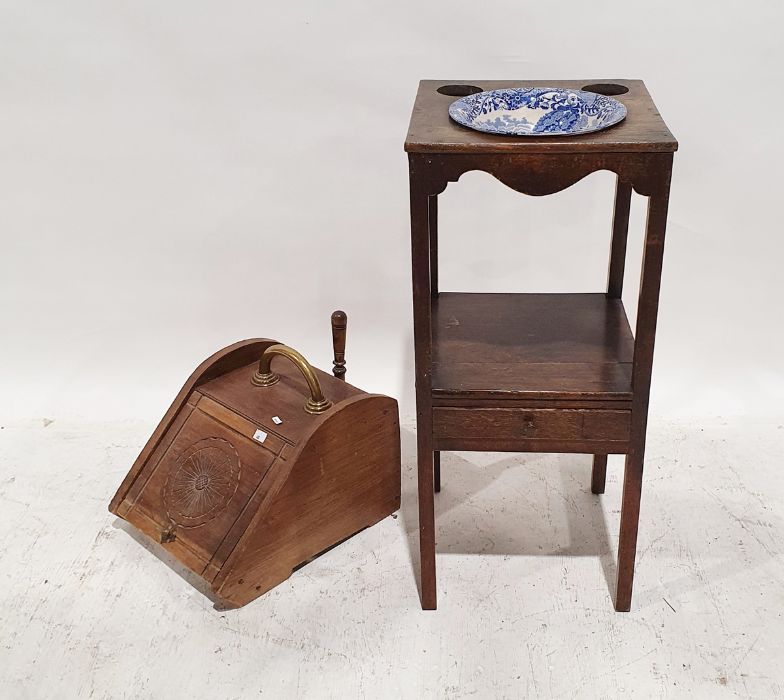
(537, 111)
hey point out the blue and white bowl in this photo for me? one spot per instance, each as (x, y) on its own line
(537, 111)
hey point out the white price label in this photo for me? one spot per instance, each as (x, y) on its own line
(259, 435)
(276, 420)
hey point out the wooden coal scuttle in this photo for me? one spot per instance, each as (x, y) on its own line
(252, 471)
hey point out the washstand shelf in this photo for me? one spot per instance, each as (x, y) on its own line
(536, 372)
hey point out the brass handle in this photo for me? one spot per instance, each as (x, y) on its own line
(264, 376)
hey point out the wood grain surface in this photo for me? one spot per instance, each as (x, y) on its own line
(531, 346)
(432, 131)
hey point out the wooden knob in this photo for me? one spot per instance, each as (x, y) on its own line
(339, 322)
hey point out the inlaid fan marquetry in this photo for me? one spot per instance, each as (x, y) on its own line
(203, 482)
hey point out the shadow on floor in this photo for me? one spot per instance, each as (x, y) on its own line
(544, 508)
(174, 564)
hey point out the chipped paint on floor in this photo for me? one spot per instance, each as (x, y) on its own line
(525, 563)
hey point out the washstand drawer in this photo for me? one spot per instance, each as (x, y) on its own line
(519, 428)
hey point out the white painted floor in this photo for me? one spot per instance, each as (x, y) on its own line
(525, 564)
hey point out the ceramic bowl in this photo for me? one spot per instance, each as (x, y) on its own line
(537, 111)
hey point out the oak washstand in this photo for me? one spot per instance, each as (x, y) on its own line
(536, 372)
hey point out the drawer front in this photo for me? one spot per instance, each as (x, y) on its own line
(531, 429)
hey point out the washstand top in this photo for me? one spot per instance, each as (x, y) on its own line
(432, 131)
